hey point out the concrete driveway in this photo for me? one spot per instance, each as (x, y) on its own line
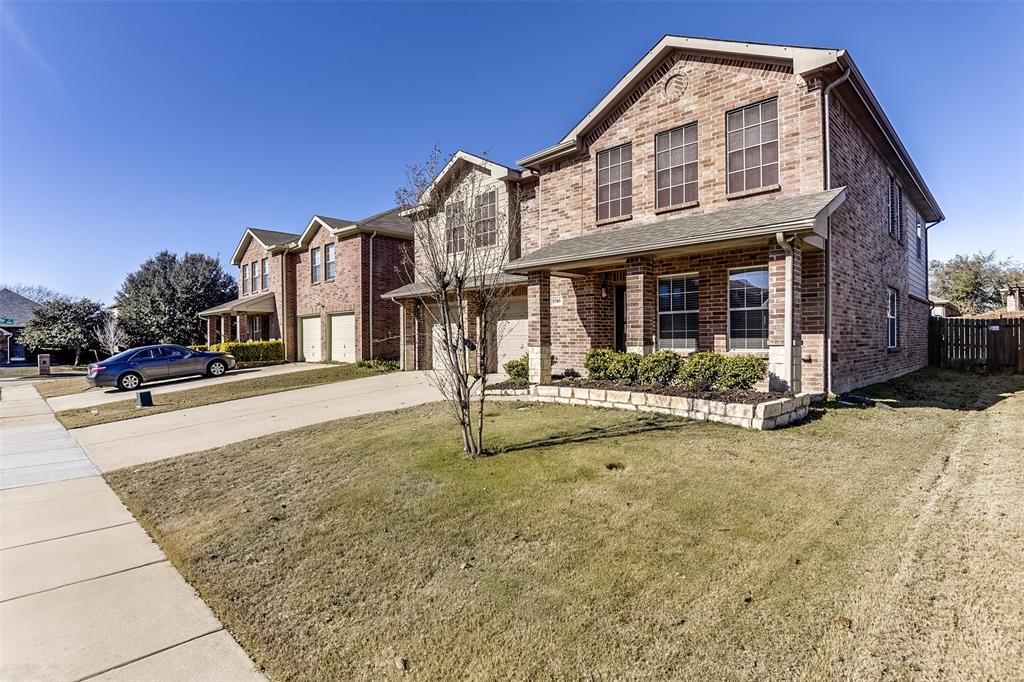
(146, 439)
(101, 396)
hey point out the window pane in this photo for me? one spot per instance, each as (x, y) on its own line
(770, 130)
(736, 160)
(736, 182)
(752, 136)
(690, 153)
(678, 195)
(752, 178)
(769, 110)
(735, 140)
(734, 120)
(751, 116)
(664, 198)
(691, 192)
(770, 175)
(770, 152)
(661, 142)
(690, 133)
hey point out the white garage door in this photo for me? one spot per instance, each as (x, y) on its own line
(311, 339)
(513, 333)
(343, 337)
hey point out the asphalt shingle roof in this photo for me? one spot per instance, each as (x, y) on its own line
(729, 223)
(273, 237)
(16, 307)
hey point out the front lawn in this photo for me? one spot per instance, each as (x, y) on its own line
(865, 543)
(208, 395)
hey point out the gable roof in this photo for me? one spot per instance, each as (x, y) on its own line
(268, 239)
(16, 307)
(800, 213)
(496, 170)
(390, 223)
(804, 61)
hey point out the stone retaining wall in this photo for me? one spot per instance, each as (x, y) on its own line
(762, 416)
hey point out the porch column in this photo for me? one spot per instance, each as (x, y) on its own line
(407, 326)
(243, 326)
(641, 298)
(211, 329)
(470, 326)
(225, 327)
(784, 315)
(538, 303)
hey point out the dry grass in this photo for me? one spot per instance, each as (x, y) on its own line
(208, 395)
(64, 379)
(864, 544)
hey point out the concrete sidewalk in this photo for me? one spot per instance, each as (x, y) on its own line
(84, 591)
(103, 396)
(146, 439)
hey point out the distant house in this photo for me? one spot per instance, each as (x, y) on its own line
(15, 311)
(942, 307)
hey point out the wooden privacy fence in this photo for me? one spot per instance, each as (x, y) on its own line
(966, 344)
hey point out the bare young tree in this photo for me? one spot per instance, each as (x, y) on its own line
(463, 229)
(109, 335)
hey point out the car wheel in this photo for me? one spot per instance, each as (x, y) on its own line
(128, 381)
(216, 368)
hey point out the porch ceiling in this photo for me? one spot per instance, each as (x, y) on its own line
(794, 214)
(264, 303)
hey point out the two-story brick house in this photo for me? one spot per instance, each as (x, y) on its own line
(319, 291)
(736, 197)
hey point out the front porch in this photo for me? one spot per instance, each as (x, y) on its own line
(744, 280)
(253, 318)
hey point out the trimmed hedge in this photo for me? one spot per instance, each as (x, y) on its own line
(252, 351)
(700, 372)
(380, 364)
(518, 371)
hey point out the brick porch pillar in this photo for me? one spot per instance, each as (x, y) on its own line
(641, 299)
(408, 330)
(538, 303)
(243, 326)
(783, 375)
(211, 330)
(225, 327)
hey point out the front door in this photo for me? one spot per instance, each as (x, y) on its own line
(620, 317)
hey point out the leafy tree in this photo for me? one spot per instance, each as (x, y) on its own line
(973, 282)
(33, 292)
(161, 301)
(63, 323)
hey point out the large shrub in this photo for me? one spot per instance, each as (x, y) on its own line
(625, 367)
(741, 371)
(252, 351)
(598, 363)
(702, 371)
(518, 370)
(660, 367)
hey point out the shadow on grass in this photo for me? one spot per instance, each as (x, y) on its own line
(647, 424)
(944, 389)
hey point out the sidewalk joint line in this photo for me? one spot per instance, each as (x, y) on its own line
(83, 580)
(152, 653)
(69, 535)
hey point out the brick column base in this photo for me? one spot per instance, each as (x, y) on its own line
(538, 301)
(243, 327)
(641, 301)
(211, 330)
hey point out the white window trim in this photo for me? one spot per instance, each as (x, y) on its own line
(332, 260)
(892, 312)
(658, 312)
(245, 278)
(696, 145)
(728, 310)
(265, 273)
(894, 191)
(314, 265)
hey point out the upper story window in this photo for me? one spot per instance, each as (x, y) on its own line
(245, 278)
(329, 262)
(455, 227)
(752, 147)
(314, 265)
(920, 237)
(895, 207)
(255, 277)
(486, 219)
(748, 309)
(675, 165)
(615, 182)
(265, 272)
(892, 319)
(678, 306)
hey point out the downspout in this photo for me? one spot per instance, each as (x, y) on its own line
(372, 299)
(787, 247)
(827, 154)
(282, 320)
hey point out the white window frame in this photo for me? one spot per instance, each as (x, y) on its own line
(729, 309)
(696, 342)
(485, 223)
(265, 273)
(245, 278)
(617, 183)
(892, 318)
(330, 256)
(254, 275)
(745, 131)
(665, 155)
(454, 227)
(919, 225)
(895, 205)
(314, 265)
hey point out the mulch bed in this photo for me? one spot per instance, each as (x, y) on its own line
(506, 385)
(721, 395)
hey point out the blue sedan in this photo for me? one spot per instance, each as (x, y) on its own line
(131, 368)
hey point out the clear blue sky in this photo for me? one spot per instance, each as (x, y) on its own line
(132, 127)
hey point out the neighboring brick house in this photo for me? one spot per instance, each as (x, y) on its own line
(319, 291)
(15, 311)
(736, 197)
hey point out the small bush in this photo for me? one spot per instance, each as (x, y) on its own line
(625, 367)
(518, 370)
(203, 347)
(252, 351)
(660, 367)
(741, 372)
(380, 364)
(702, 371)
(598, 363)
(570, 373)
